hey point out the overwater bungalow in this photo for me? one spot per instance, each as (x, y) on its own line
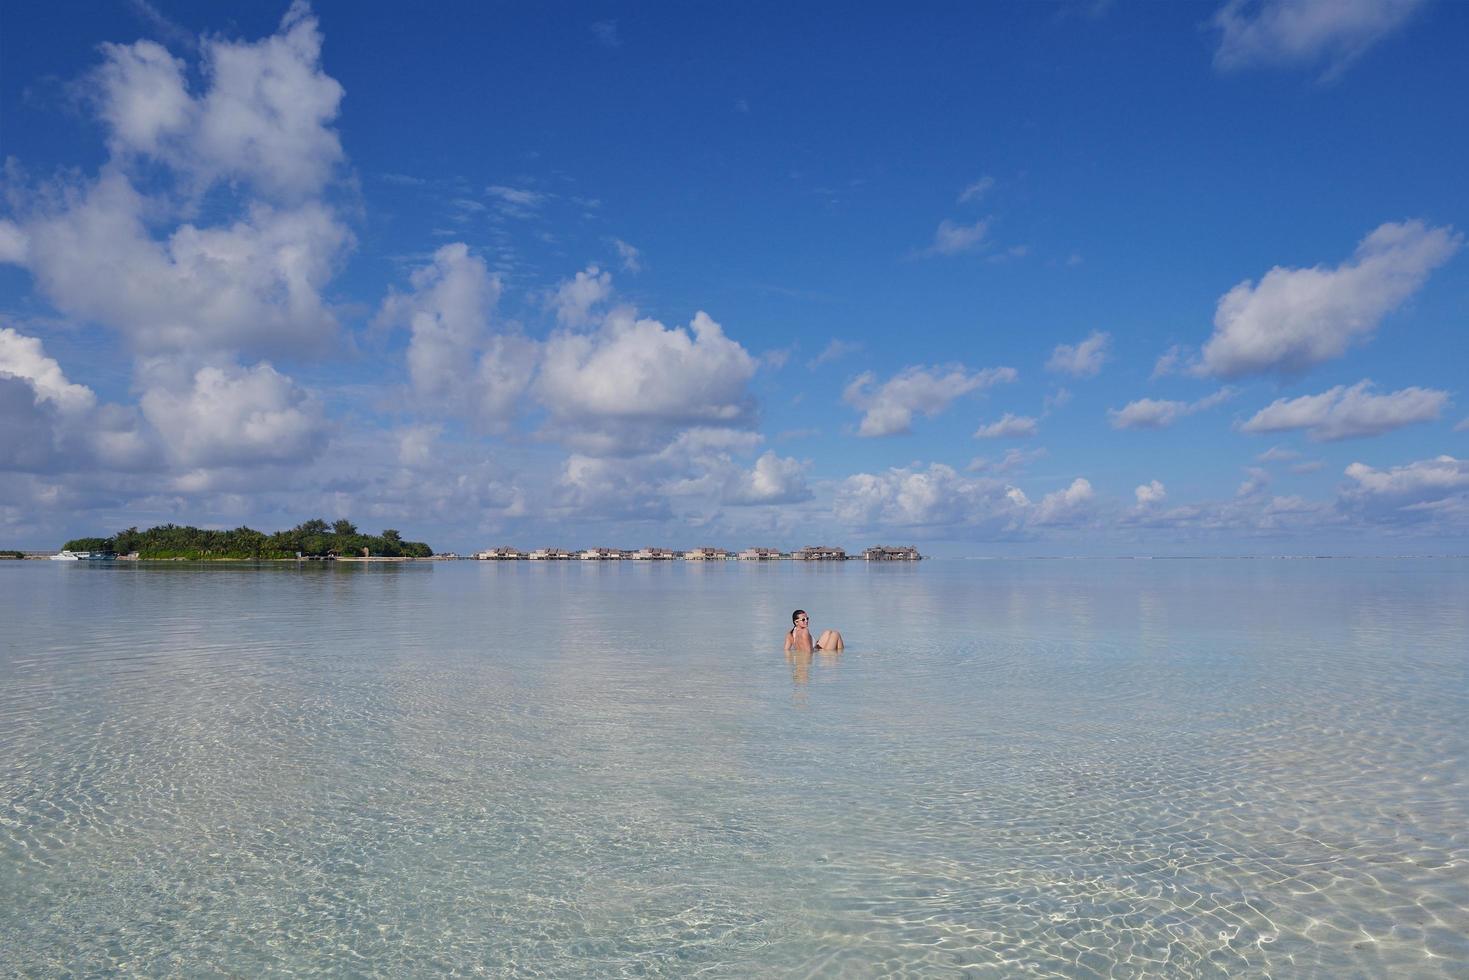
(820, 552)
(706, 554)
(550, 554)
(884, 552)
(602, 554)
(761, 554)
(500, 554)
(654, 554)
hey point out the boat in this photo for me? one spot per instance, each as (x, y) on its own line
(65, 555)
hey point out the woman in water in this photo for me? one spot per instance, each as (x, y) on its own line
(799, 637)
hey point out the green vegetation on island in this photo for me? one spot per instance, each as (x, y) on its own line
(312, 539)
(12, 554)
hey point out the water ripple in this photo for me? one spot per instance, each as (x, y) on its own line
(485, 770)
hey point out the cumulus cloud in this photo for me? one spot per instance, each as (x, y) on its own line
(576, 298)
(254, 285)
(454, 361)
(951, 238)
(1462, 426)
(264, 118)
(24, 358)
(888, 408)
(1069, 506)
(1150, 494)
(693, 473)
(1427, 477)
(1008, 427)
(1349, 413)
(1304, 32)
(1082, 360)
(1421, 490)
(1294, 319)
(1152, 413)
(607, 488)
(938, 495)
(772, 480)
(631, 382)
(30, 430)
(262, 122)
(238, 416)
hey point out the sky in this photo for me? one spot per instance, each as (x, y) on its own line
(991, 279)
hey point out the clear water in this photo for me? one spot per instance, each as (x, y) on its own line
(1118, 768)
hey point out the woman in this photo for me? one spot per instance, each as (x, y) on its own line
(799, 637)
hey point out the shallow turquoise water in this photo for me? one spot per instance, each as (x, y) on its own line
(1122, 768)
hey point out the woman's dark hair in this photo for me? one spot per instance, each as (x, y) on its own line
(798, 612)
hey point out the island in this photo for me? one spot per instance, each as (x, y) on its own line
(311, 539)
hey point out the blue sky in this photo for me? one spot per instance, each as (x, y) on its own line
(992, 279)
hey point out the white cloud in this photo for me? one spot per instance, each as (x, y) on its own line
(634, 380)
(889, 407)
(1349, 413)
(1018, 459)
(416, 444)
(254, 285)
(25, 358)
(605, 31)
(14, 246)
(1069, 506)
(976, 190)
(454, 361)
(265, 116)
(1084, 359)
(1149, 494)
(597, 488)
(951, 238)
(1296, 318)
(1147, 413)
(1008, 427)
(107, 253)
(238, 416)
(1462, 426)
(517, 202)
(1170, 362)
(144, 99)
(910, 497)
(1256, 480)
(1418, 491)
(773, 480)
(695, 473)
(632, 258)
(835, 350)
(575, 299)
(1151, 413)
(1277, 454)
(1302, 32)
(29, 428)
